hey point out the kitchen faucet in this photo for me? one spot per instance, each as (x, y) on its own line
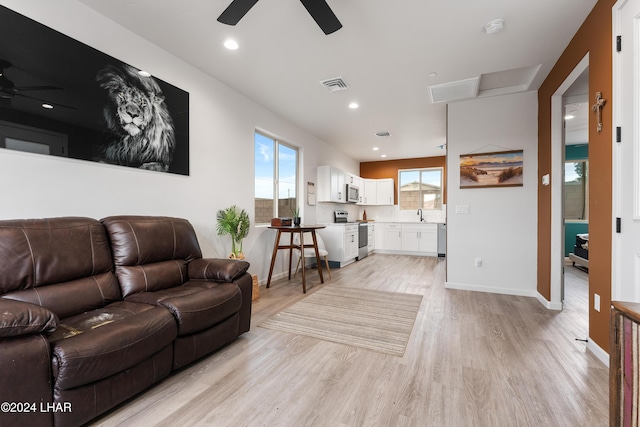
(420, 213)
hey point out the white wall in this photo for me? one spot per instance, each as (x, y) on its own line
(222, 123)
(501, 227)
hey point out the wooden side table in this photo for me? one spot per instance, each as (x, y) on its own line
(291, 230)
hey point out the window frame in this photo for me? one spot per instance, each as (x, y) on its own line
(275, 179)
(585, 198)
(420, 191)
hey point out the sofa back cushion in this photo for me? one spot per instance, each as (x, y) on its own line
(151, 253)
(62, 264)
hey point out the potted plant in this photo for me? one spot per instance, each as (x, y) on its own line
(296, 216)
(235, 222)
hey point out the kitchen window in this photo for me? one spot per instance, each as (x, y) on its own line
(276, 178)
(420, 189)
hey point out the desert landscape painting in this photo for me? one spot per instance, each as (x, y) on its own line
(496, 169)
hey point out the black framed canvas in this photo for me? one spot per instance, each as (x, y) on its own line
(61, 97)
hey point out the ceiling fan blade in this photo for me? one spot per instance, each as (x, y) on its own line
(323, 15)
(27, 88)
(235, 11)
(55, 104)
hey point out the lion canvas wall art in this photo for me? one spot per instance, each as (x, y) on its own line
(103, 110)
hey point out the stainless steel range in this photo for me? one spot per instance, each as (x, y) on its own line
(363, 240)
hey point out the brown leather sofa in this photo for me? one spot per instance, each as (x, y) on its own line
(92, 313)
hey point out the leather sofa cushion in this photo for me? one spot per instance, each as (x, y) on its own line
(95, 345)
(196, 305)
(217, 269)
(152, 277)
(20, 318)
(139, 240)
(41, 252)
(74, 297)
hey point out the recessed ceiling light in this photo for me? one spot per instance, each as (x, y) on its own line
(47, 106)
(143, 73)
(231, 44)
(375, 148)
(494, 26)
(383, 155)
(353, 105)
(432, 74)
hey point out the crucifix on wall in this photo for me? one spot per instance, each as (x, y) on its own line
(597, 108)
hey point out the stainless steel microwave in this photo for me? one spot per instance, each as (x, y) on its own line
(353, 193)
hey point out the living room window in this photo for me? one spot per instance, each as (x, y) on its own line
(276, 178)
(420, 188)
(576, 190)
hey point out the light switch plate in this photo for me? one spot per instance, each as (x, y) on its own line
(462, 209)
(545, 179)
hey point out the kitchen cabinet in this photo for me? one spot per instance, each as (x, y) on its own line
(420, 238)
(332, 181)
(371, 237)
(331, 185)
(392, 238)
(341, 242)
(369, 192)
(350, 242)
(384, 192)
(407, 238)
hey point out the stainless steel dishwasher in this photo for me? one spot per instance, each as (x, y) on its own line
(442, 240)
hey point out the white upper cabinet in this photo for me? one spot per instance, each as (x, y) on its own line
(384, 192)
(331, 187)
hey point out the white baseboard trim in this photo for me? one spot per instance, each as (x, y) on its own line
(490, 289)
(548, 304)
(263, 282)
(597, 351)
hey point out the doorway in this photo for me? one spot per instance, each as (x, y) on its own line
(575, 241)
(557, 183)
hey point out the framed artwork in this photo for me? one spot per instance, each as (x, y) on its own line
(496, 169)
(61, 97)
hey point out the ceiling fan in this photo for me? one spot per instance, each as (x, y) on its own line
(8, 90)
(318, 9)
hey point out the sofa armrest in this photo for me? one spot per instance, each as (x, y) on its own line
(22, 318)
(217, 269)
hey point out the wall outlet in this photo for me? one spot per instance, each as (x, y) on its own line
(478, 262)
(596, 302)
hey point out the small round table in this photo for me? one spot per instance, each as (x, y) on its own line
(300, 246)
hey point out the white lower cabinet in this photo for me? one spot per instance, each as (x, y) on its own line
(341, 242)
(420, 237)
(409, 238)
(371, 237)
(392, 239)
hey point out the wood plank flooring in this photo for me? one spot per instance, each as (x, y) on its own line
(474, 359)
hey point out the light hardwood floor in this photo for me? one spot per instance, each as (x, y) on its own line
(474, 359)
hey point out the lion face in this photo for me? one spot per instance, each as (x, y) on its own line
(140, 130)
(132, 110)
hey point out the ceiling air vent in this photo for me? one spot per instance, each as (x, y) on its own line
(383, 134)
(335, 84)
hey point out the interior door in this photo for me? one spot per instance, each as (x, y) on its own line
(626, 153)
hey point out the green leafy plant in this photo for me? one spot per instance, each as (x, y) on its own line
(296, 212)
(234, 222)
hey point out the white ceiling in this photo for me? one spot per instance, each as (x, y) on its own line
(384, 52)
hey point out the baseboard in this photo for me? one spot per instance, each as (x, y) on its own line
(548, 304)
(263, 282)
(597, 351)
(489, 289)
